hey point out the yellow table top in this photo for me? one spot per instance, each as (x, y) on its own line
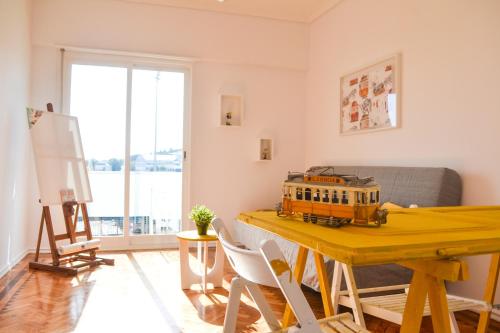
(410, 233)
(192, 235)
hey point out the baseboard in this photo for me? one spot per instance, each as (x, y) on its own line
(6, 268)
(495, 314)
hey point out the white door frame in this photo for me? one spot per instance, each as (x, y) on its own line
(127, 241)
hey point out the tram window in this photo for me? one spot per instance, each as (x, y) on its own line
(298, 194)
(316, 195)
(378, 196)
(345, 200)
(335, 198)
(363, 198)
(308, 194)
(325, 196)
(358, 197)
(372, 197)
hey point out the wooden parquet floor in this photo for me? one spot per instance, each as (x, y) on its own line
(141, 293)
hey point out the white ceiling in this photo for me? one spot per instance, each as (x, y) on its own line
(290, 10)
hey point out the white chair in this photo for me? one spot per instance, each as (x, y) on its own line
(307, 322)
(252, 270)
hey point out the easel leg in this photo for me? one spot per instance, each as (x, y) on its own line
(298, 273)
(50, 233)
(68, 221)
(323, 284)
(414, 309)
(489, 293)
(75, 220)
(86, 224)
(39, 241)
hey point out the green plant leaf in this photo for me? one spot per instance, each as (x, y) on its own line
(201, 215)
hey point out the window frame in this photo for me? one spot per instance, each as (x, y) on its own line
(137, 62)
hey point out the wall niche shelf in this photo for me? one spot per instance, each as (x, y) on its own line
(231, 110)
(266, 151)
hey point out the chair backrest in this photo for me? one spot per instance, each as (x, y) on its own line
(249, 264)
(290, 288)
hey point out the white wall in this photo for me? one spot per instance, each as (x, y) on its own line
(265, 59)
(14, 139)
(225, 172)
(450, 82)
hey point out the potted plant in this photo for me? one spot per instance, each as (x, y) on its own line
(202, 216)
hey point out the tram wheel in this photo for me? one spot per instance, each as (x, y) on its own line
(305, 217)
(337, 223)
(314, 219)
(345, 221)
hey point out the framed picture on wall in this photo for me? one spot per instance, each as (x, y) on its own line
(370, 98)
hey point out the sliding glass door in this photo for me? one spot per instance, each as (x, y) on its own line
(132, 120)
(156, 152)
(98, 99)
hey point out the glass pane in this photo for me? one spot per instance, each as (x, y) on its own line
(156, 152)
(98, 99)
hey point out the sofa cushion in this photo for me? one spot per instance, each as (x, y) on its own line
(425, 187)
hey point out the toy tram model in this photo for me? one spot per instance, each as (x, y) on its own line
(322, 196)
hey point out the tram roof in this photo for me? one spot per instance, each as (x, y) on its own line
(327, 184)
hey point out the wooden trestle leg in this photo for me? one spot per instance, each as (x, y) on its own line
(489, 293)
(298, 274)
(323, 284)
(428, 279)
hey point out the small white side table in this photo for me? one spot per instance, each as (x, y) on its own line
(214, 275)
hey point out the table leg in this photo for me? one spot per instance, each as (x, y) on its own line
(323, 284)
(218, 265)
(414, 309)
(198, 256)
(337, 279)
(216, 273)
(298, 273)
(489, 293)
(187, 277)
(439, 305)
(357, 310)
(205, 266)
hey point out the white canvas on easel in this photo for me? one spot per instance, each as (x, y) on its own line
(59, 159)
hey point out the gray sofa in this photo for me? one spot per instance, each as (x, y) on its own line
(425, 187)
